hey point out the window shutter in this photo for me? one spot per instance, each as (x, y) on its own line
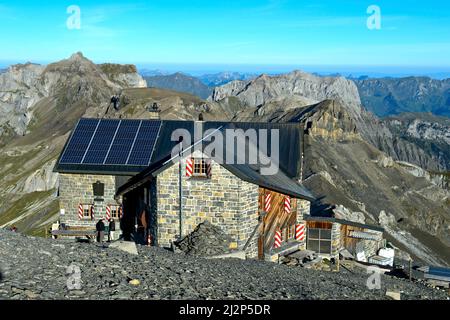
(92, 212)
(287, 204)
(268, 201)
(108, 213)
(121, 211)
(189, 167)
(300, 232)
(209, 168)
(80, 211)
(278, 240)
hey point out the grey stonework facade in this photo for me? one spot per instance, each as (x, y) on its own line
(335, 240)
(224, 200)
(77, 188)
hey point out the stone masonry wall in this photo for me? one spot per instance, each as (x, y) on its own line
(77, 188)
(224, 200)
(335, 239)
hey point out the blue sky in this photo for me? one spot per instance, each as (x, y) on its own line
(265, 32)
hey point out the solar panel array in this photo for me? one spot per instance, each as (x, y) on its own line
(112, 142)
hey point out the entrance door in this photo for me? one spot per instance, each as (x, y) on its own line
(276, 218)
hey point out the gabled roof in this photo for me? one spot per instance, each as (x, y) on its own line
(94, 137)
(143, 148)
(251, 173)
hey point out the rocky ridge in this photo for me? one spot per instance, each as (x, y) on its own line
(68, 82)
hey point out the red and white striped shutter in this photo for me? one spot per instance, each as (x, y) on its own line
(189, 167)
(287, 204)
(80, 211)
(92, 212)
(209, 168)
(268, 201)
(277, 242)
(300, 232)
(108, 213)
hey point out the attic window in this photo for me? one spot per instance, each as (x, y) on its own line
(200, 167)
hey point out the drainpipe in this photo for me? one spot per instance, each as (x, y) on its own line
(180, 191)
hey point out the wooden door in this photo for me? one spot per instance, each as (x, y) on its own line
(276, 218)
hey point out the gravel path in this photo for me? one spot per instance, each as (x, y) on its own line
(37, 268)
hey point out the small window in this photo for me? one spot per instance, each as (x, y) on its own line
(199, 167)
(202, 167)
(114, 212)
(319, 240)
(86, 210)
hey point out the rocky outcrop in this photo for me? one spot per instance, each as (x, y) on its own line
(19, 92)
(43, 179)
(67, 82)
(421, 139)
(264, 89)
(125, 75)
(327, 119)
(271, 98)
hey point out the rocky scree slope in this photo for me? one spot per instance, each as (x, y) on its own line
(37, 268)
(366, 185)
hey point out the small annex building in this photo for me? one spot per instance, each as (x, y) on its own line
(128, 170)
(330, 236)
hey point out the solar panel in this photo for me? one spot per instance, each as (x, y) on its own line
(99, 147)
(144, 143)
(79, 142)
(111, 142)
(123, 142)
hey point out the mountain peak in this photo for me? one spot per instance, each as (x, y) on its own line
(77, 56)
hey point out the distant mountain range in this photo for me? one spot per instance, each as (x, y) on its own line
(389, 96)
(221, 78)
(201, 86)
(382, 96)
(152, 73)
(179, 82)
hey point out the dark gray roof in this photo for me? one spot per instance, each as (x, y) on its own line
(279, 182)
(284, 181)
(290, 146)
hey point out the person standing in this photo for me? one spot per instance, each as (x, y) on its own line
(100, 230)
(112, 227)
